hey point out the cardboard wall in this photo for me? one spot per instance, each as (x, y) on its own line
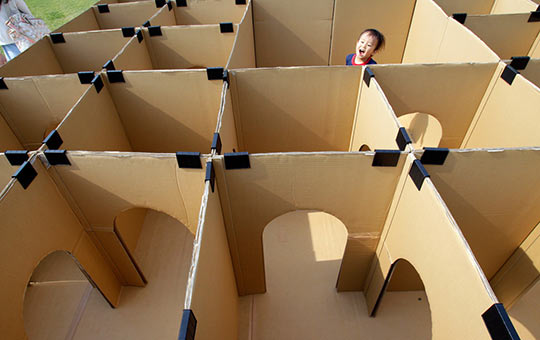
(133, 56)
(38, 221)
(243, 51)
(8, 140)
(390, 17)
(183, 110)
(125, 14)
(451, 93)
(294, 109)
(163, 17)
(450, 273)
(292, 33)
(535, 49)
(532, 71)
(86, 21)
(507, 117)
(226, 124)
(25, 65)
(33, 106)
(464, 6)
(279, 183)
(200, 12)
(513, 6)
(508, 35)
(6, 170)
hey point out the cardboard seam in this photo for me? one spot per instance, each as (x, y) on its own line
(237, 114)
(408, 33)
(357, 110)
(181, 200)
(330, 43)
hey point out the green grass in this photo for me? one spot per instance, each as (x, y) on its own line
(55, 13)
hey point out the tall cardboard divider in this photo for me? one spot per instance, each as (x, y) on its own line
(464, 6)
(8, 140)
(243, 51)
(292, 33)
(209, 12)
(163, 17)
(227, 124)
(457, 290)
(38, 221)
(33, 106)
(134, 55)
(126, 14)
(513, 6)
(532, 72)
(25, 64)
(6, 170)
(86, 21)
(391, 17)
(294, 109)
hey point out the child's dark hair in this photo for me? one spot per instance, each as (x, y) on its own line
(375, 33)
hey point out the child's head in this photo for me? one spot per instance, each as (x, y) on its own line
(369, 43)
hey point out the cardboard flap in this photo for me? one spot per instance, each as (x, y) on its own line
(25, 63)
(126, 14)
(243, 51)
(209, 12)
(294, 109)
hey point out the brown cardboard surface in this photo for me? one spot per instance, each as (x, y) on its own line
(126, 14)
(375, 125)
(391, 17)
(523, 314)
(450, 93)
(532, 71)
(25, 63)
(279, 183)
(450, 273)
(465, 6)
(153, 311)
(163, 17)
(8, 140)
(535, 48)
(423, 129)
(93, 124)
(292, 33)
(6, 170)
(33, 106)
(133, 56)
(183, 109)
(493, 128)
(204, 12)
(35, 226)
(491, 193)
(86, 21)
(294, 109)
(128, 225)
(226, 123)
(183, 47)
(513, 6)
(508, 35)
(215, 305)
(243, 51)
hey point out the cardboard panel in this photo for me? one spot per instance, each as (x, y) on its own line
(423, 129)
(464, 6)
(36, 105)
(101, 185)
(88, 51)
(128, 226)
(204, 12)
(375, 124)
(532, 71)
(163, 17)
(513, 6)
(133, 56)
(126, 14)
(86, 21)
(25, 63)
(8, 140)
(450, 273)
(227, 129)
(214, 306)
(535, 49)
(6, 170)
(183, 47)
(279, 183)
(491, 193)
(507, 35)
(523, 313)
(450, 93)
(93, 124)
(509, 117)
(391, 17)
(295, 109)
(183, 110)
(243, 51)
(36, 227)
(292, 33)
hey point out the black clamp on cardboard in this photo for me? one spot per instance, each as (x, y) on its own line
(403, 139)
(216, 143)
(535, 16)
(418, 173)
(128, 32)
(169, 5)
(160, 3)
(57, 157)
(154, 31)
(509, 74)
(16, 157)
(498, 323)
(434, 156)
(181, 3)
(3, 85)
(109, 65)
(368, 74)
(86, 77)
(147, 23)
(97, 82)
(460, 17)
(139, 36)
(386, 158)
(226, 76)
(210, 174)
(104, 8)
(188, 325)
(25, 174)
(214, 73)
(189, 160)
(115, 76)
(57, 38)
(237, 160)
(53, 140)
(520, 63)
(226, 27)
(240, 2)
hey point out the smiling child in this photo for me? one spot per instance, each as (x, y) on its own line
(369, 43)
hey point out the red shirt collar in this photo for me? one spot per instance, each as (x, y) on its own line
(354, 63)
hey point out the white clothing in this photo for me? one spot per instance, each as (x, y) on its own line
(7, 10)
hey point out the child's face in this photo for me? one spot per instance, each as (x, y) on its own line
(365, 47)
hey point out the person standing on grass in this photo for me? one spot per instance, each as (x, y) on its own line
(7, 9)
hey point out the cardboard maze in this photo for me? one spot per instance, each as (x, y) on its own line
(487, 6)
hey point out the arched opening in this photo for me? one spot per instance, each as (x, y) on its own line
(364, 147)
(424, 129)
